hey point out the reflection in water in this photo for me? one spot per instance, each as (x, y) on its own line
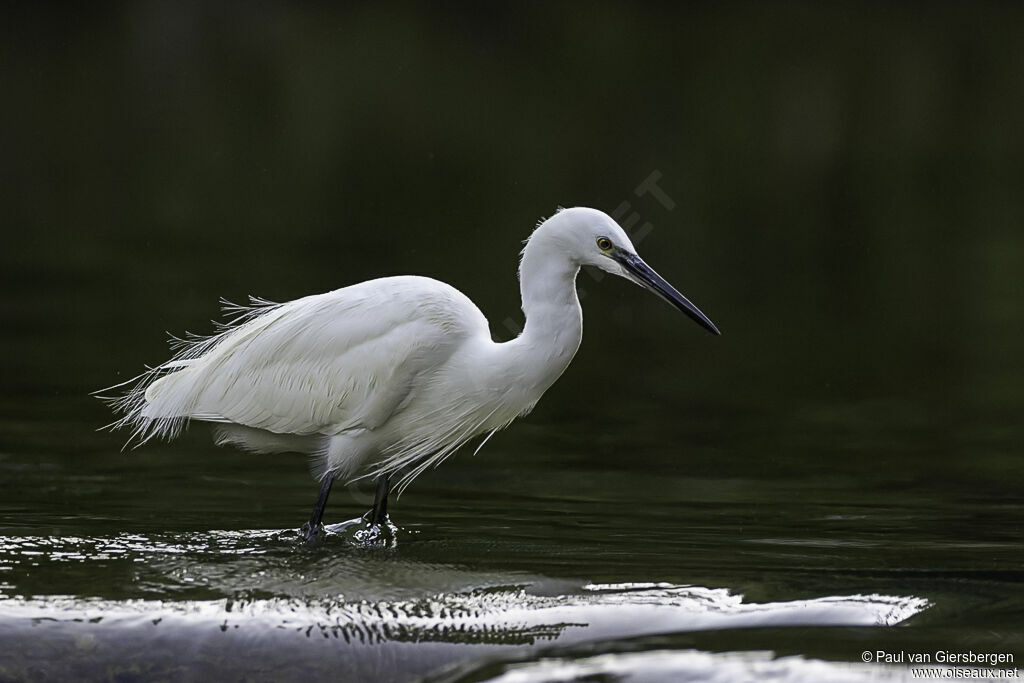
(496, 615)
(261, 595)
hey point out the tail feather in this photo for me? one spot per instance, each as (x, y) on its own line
(159, 402)
(156, 406)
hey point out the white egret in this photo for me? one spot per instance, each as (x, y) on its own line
(388, 376)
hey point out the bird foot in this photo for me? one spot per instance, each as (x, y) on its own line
(382, 535)
(313, 535)
(363, 533)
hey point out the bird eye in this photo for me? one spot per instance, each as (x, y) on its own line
(604, 244)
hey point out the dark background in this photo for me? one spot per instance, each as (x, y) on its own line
(843, 187)
(845, 178)
(844, 199)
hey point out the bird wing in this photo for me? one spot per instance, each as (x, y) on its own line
(323, 364)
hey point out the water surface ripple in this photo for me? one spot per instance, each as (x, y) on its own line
(283, 609)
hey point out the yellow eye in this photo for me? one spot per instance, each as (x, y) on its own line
(604, 244)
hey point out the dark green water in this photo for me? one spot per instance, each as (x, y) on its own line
(841, 471)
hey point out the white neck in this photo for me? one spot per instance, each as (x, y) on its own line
(554, 318)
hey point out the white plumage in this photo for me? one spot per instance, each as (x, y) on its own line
(389, 375)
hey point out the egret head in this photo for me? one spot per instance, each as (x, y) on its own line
(593, 238)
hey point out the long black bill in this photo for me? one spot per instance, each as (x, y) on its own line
(650, 280)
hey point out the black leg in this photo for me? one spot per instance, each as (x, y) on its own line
(311, 528)
(379, 513)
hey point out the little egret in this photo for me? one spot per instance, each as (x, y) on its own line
(389, 376)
